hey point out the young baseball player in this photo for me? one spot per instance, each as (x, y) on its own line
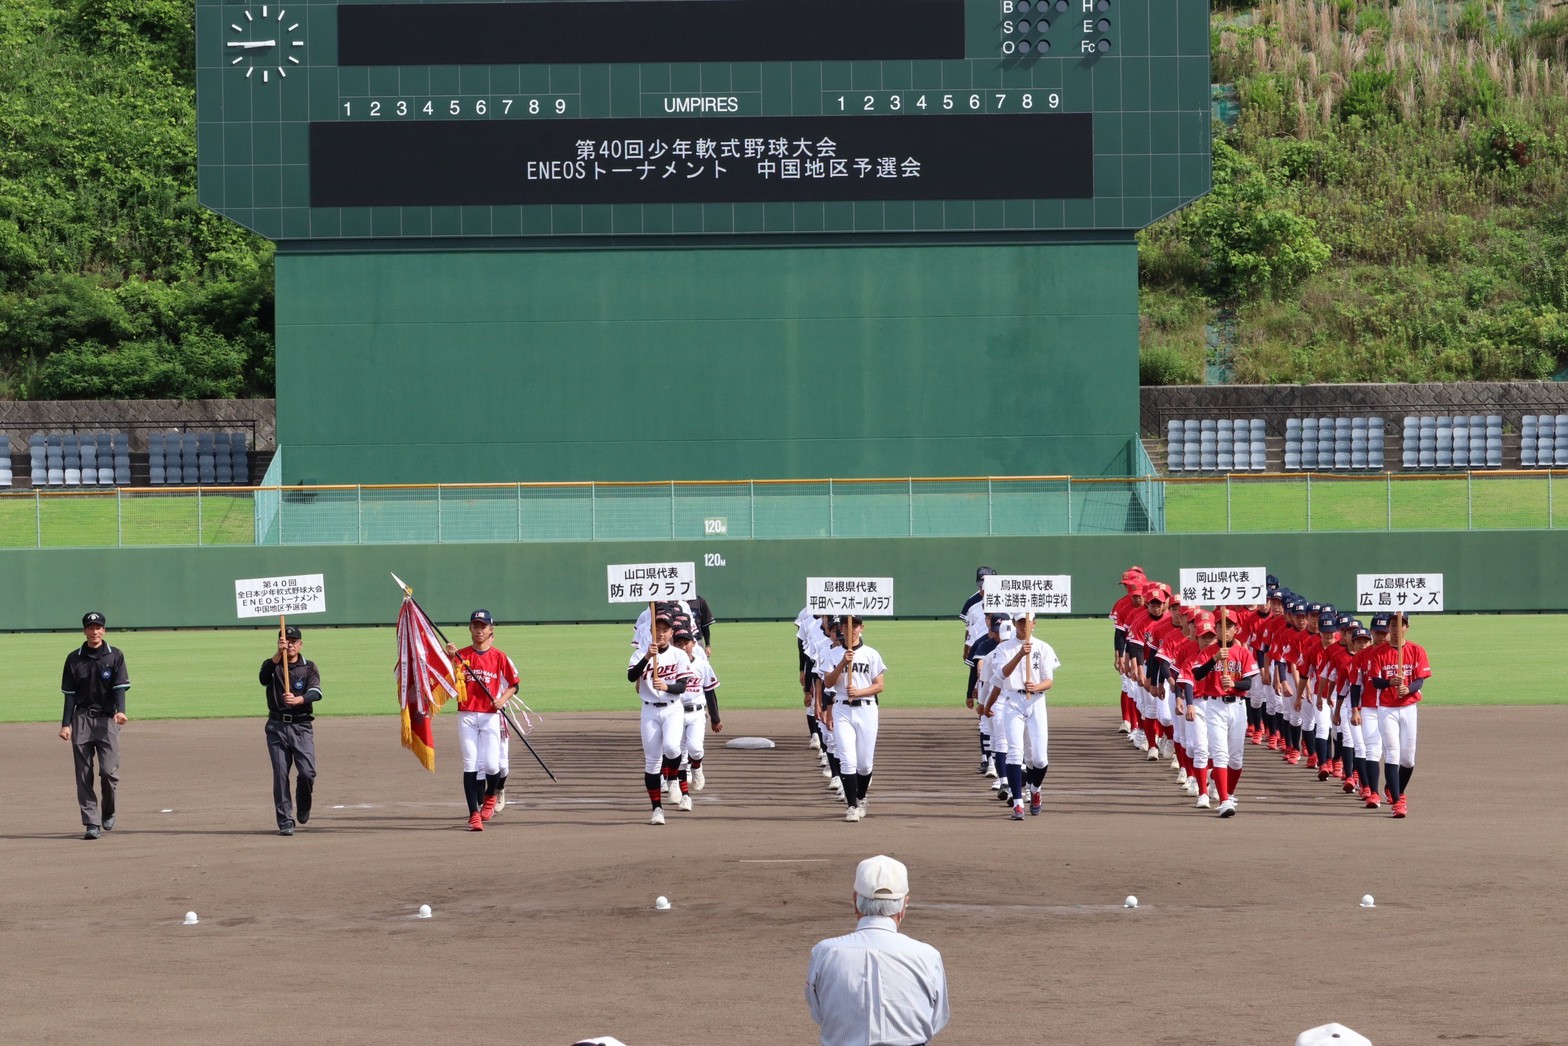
(662, 673)
(855, 680)
(1218, 708)
(1397, 673)
(1133, 581)
(825, 649)
(1365, 713)
(699, 706)
(490, 681)
(1026, 670)
(976, 655)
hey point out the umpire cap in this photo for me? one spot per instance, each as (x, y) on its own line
(291, 632)
(92, 617)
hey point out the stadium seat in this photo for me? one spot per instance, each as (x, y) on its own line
(1527, 455)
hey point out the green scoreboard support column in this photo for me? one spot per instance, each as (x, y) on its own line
(725, 239)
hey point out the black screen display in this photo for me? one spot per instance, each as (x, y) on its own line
(649, 31)
(727, 160)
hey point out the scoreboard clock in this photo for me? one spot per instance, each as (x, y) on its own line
(565, 120)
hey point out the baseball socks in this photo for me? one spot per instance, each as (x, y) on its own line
(1015, 781)
(655, 789)
(852, 791)
(472, 790)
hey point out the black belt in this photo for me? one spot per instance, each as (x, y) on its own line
(857, 702)
(658, 704)
(695, 708)
(94, 713)
(288, 717)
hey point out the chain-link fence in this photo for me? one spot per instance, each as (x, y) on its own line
(778, 509)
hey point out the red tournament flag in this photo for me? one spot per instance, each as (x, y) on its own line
(424, 680)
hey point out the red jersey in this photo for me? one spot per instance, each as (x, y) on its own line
(1238, 661)
(1402, 665)
(1338, 668)
(1121, 610)
(490, 667)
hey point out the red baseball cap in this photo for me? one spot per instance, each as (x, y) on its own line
(1156, 590)
(1204, 622)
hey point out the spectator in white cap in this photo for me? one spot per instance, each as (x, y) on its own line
(876, 987)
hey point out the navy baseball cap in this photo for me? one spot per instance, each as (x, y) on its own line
(1330, 608)
(983, 572)
(291, 632)
(1380, 622)
(1360, 632)
(682, 634)
(1314, 608)
(1346, 621)
(1328, 622)
(481, 615)
(1271, 581)
(92, 617)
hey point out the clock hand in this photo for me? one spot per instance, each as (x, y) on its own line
(252, 43)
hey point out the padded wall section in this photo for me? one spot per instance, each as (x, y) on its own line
(194, 588)
(707, 364)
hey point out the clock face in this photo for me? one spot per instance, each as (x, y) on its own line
(265, 42)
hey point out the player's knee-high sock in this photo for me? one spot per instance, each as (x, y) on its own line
(851, 788)
(1405, 774)
(1370, 770)
(1233, 775)
(655, 792)
(1391, 778)
(1202, 774)
(862, 785)
(671, 768)
(1037, 776)
(813, 728)
(999, 760)
(985, 748)
(1222, 782)
(494, 783)
(1015, 780)
(682, 776)
(834, 767)
(471, 788)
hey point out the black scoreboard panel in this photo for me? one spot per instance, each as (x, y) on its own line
(566, 119)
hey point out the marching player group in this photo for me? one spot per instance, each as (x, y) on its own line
(840, 680)
(679, 693)
(1292, 675)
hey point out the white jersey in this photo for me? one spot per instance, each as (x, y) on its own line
(707, 679)
(641, 637)
(868, 665)
(673, 664)
(1041, 664)
(974, 622)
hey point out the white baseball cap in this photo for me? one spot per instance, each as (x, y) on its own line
(1331, 1035)
(881, 878)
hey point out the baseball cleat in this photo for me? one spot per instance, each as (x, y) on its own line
(1202, 803)
(487, 809)
(1350, 784)
(699, 780)
(852, 814)
(1018, 812)
(815, 743)
(684, 804)
(1312, 761)
(822, 759)
(658, 815)
(500, 800)
(996, 785)
(838, 789)
(1125, 728)
(835, 784)
(990, 770)
(1372, 800)
(1154, 753)
(1181, 775)
(1214, 792)
(1228, 808)
(1034, 803)
(1401, 808)
(1323, 773)
(475, 823)
(1191, 787)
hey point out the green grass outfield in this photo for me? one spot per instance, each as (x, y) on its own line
(202, 674)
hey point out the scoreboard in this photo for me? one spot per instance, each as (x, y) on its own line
(683, 120)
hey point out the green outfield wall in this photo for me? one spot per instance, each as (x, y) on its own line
(729, 363)
(565, 581)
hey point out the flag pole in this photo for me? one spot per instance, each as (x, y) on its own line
(468, 673)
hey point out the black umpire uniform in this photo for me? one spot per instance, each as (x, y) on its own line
(292, 694)
(94, 684)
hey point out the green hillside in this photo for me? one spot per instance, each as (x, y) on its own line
(1390, 203)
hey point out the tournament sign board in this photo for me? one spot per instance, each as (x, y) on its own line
(1223, 586)
(650, 582)
(853, 596)
(1027, 593)
(359, 121)
(1399, 593)
(280, 596)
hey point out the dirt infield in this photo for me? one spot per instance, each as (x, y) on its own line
(544, 930)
